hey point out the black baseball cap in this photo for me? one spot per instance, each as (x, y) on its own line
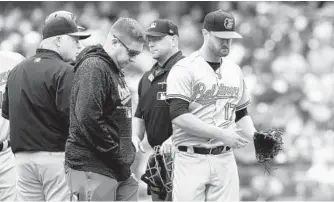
(221, 24)
(62, 26)
(162, 27)
(65, 14)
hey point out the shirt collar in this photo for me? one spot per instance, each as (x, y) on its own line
(165, 66)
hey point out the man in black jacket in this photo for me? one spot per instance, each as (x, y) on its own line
(36, 103)
(99, 151)
(152, 114)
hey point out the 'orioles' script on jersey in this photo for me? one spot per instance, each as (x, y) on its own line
(124, 94)
(206, 96)
(213, 96)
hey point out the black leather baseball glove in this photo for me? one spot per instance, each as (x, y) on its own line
(267, 145)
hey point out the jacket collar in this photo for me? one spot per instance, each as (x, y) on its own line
(95, 51)
(49, 53)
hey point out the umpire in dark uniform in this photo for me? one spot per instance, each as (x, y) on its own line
(36, 103)
(152, 114)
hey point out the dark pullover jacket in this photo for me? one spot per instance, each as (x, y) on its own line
(100, 117)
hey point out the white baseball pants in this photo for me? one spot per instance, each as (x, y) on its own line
(199, 177)
(41, 176)
(7, 176)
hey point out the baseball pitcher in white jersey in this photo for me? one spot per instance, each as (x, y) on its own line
(208, 107)
(8, 61)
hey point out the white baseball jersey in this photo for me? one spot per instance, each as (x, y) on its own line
(8, 61)
(213, 96)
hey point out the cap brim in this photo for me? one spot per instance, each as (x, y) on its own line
(80, 35)
(227, 35)
(152, 33)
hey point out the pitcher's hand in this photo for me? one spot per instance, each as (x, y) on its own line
(233, 139)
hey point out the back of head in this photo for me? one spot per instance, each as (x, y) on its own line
(57, 26)
(61, 35)
(128, 30)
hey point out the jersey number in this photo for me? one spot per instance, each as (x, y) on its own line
(229, 110)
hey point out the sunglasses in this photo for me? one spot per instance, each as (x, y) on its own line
(131, 53)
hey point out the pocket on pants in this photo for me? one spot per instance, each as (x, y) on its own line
(72, 186)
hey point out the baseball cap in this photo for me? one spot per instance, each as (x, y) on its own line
(221, 24)
(62, 26)
(162, 27)
(65, 14)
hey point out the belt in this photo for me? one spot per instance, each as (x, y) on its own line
(4, 145)
(202, 150)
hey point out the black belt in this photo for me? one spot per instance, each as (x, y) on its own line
(4, 145)
(202, 150)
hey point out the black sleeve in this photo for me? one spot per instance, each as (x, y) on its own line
(177, 107)
(139, 112)
(5, 104)
(91, 97)
(241, 113)
(64, 86)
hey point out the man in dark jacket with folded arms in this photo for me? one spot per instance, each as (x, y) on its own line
(99, 150)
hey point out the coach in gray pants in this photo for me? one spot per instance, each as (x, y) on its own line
(99, 151)
(36, 103)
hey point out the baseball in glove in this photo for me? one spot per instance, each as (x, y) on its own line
(158, 174)
(267, 144)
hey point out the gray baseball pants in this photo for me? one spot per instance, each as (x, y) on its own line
(90, 186)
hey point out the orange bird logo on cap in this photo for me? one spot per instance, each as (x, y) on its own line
(153, 25)
(228, 23)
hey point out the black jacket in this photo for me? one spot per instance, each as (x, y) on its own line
(152, 106)
(36, 102)
(100, 117)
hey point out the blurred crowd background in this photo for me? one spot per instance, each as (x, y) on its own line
(287, 58)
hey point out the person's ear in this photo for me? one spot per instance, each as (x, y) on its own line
(114, 42)
(175, 40)
(205, 32)
(57, 41)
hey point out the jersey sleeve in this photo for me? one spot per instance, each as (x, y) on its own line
(179, 83)
(245, 98)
